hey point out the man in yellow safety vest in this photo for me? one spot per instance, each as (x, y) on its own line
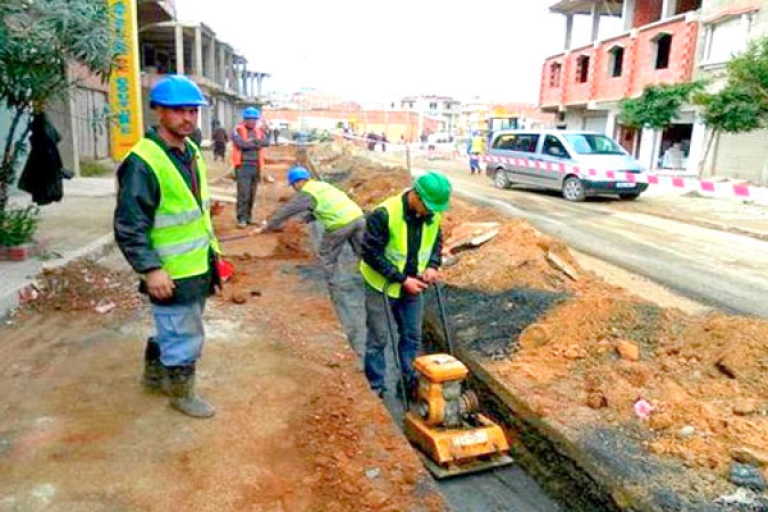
(163, 227)
(341, 217)
(401, 258)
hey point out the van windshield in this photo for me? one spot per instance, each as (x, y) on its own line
(592, 144)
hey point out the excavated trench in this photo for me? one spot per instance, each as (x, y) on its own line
(493, 323)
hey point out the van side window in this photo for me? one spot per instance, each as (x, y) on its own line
(506, 142)
(526, 143)
(553, 147)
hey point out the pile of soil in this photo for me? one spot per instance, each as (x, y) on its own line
(83, 286)
(583, 353)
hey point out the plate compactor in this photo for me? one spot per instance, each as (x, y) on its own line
(444, 422)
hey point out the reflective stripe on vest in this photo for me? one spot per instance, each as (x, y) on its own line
(396, 250)
(334, 209)
(182, 232)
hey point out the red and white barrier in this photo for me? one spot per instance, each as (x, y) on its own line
(709, 188)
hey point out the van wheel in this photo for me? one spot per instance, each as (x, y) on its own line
(500, 179)
(573, 189)
(628, 197)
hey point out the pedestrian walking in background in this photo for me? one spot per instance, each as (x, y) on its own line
(220, 139)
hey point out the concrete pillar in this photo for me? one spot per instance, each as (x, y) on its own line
(221, 78)
(259, 82)
(610, 124)
(212, 58)
(595, 21)
(199, 51)
(628, 14)
(668, 8)
(231, 71)
(649, 148)
(246, 78)
(179, 37)
(698, 147)
(568, 31)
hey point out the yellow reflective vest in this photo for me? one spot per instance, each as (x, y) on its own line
(396, 250)
(182, 233)
(333, 208)
(477, 145)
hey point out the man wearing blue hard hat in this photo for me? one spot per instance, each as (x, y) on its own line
(163, 227)
(247, 141)
(401, 256)
(341, 217)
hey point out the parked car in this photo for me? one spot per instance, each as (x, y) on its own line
(577, 163)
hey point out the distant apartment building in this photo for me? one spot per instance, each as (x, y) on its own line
(726, 29)
(583, 86)
(442, 108)
(663, 41)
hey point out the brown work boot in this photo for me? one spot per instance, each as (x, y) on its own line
(183, 396)
(155, 379)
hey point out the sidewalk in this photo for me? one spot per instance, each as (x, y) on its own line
(79, 225)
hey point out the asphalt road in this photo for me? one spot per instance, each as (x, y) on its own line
(724, 270)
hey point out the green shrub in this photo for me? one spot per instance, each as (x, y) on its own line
(91, 168)
(17, 225)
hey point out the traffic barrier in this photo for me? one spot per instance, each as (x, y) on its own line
(706, 188)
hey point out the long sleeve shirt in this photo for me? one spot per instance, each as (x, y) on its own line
(138, 197)
(376, 238)
(300, 203)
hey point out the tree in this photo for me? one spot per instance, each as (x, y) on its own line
(742, 104)
(39, 40)
(657, 107)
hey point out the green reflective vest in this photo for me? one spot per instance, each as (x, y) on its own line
(333, 208)
(182, 233)
(477, 145)
(396, 250)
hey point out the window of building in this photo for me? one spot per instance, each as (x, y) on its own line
(555, 71)
(727, 38)
(582, 69)
(433, 106)
(684, 6)
(663, 48)
(617, 61)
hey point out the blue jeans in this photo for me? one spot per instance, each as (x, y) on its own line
(180, 332)
(408, 315)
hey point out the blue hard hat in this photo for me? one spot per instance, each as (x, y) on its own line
(251, 113)
(176, 91)
(298, 173)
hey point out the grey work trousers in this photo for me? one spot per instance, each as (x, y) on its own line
(333, 243)
(248, 177)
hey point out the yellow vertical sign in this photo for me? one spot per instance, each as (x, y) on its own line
(125, 82)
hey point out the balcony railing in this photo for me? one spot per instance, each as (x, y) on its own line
(622, 66)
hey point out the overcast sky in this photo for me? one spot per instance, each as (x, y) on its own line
(493, 49)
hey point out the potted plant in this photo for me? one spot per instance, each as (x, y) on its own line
(17, 225)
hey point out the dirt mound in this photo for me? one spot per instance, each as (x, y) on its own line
(519, 256)
(83, 286)
(589, 354)
(354, 470)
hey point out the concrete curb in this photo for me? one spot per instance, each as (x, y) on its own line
(11, 299)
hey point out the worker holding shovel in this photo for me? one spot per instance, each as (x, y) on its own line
(341, 217)
(401, 256)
